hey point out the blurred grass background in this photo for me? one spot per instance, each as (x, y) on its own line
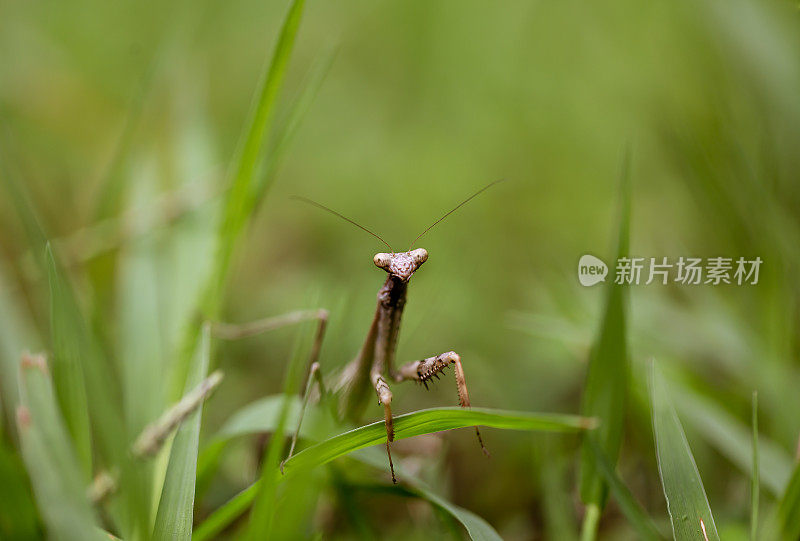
(106, 107)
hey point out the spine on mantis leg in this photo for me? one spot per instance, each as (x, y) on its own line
(426, 369)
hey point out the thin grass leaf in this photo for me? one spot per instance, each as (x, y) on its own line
(257, 417)
(406, 426)
(241, 197)
(139, 339)
(788, 513)
(348, 501)
(264, 506)
(262, 416)
(733, 439)
(176, 507)
(429, 421)
(297, 111)
(31, 224)
(130, 511)
(298, 504)
(606, 387)
(633, 511)
(16, 334)
(67, 358)
(687, 502)
(226, 514)
(139, 351)
(208, 461)
(18, 516)
(551, 459)
(114, 182)
(240, 201)
(50, 458)
(754, 484)
(477, 528)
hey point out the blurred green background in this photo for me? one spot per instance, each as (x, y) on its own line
(113, 113)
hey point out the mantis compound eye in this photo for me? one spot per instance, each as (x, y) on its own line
(420, 255)
(382, 260)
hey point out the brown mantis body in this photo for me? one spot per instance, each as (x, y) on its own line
(373, 367)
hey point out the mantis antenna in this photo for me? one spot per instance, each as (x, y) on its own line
(464, 202)
(345, 218)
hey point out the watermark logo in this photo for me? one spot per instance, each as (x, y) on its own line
(683, 270)
(591, 270)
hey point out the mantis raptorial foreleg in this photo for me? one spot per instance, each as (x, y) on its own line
(422, 371)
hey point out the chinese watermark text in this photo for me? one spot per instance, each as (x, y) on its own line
(663, 270)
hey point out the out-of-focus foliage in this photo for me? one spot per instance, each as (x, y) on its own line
(119, 122)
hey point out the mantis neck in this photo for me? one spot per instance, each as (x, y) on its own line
(391, 301)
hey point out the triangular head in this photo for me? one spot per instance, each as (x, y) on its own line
(402, 265)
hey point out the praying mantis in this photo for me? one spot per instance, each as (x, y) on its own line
(373, 367)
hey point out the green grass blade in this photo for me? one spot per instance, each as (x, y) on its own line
(67, 358)
(225, 515)
(240, 201)
(130, 510)
(733, 439)
(259, 416)
(406, 426)
(57, 477)
(263, 514)
(607, 377)
(138, 296)
(18, 516)
(788, 514)
(433, 420)
(114, 182)
(554, 476)
(241, 197)
(297, 110)
(754, 484)
(208, 461)
(633, 511)
(139, 338)
(262, 416)
(477, 528)
(17, 333)
(20, 201)
(347, 495)
(687, 503)
(176, 507)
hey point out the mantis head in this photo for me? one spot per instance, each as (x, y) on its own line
(403, 264)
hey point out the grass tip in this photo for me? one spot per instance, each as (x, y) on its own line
(34, 360)
(23, 417)
(589, 423)
(102, 486)
(153, 436)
